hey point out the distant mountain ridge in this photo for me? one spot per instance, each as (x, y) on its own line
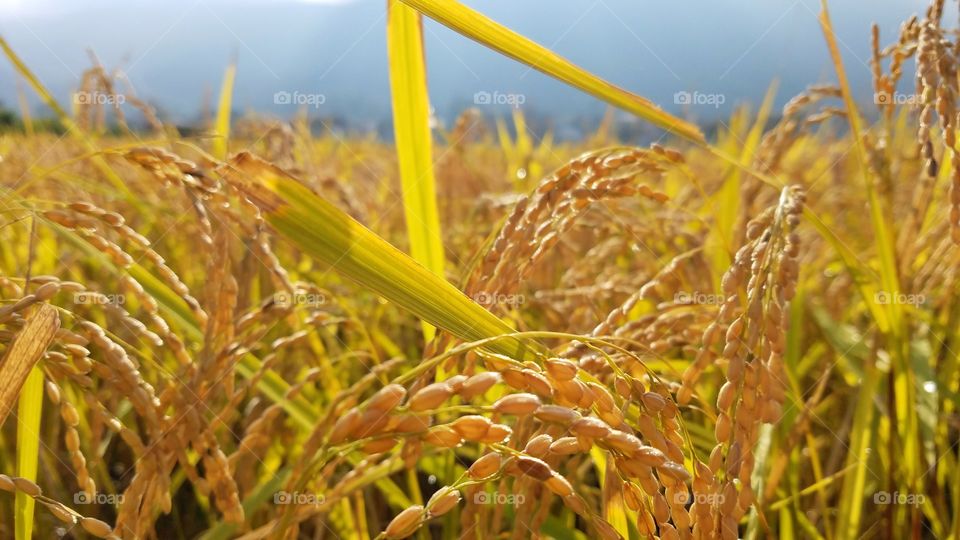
(334, 56)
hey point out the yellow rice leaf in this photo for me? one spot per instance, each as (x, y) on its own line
(222, 126)
(483, 30)
(411, 125)
(325, 232)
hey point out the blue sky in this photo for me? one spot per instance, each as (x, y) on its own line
(173, 52)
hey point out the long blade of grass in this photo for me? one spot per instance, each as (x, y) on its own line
(323, 231)
(885, 245)
(224, 106)
(411, 126)
(28, 449)
(482, 29)
(903, 379)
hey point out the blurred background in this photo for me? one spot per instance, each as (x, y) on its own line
(699, 58)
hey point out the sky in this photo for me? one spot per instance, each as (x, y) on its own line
(699, 58)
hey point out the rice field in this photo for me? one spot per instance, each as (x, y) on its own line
(257, 331)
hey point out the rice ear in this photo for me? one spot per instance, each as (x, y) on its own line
(24, 353)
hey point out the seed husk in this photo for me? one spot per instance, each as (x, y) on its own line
(485, 467)
(496, 434)
(379, 446)
(96, 527)
(411, 423)
(387, 398)
(650, 456)
(27, 487)
(675, 471)
(534, 467)
(405, 523)
(61, 513)
(443, 436)
(537, 383)
(589, 426)
(565, 446)
(430, 397)
(653, 401)
(561, 369)
(472, 427)
(444, 500)
(538, 446)
(556, 414)
(576, 503)
(559, 485)
(345, 426)
(728, 392)
(517, 404)
(624, 442)
(371, 422)
(478, 384)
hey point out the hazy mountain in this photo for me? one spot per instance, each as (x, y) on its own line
(174, 51)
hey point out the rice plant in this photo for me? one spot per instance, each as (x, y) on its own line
(237, 334)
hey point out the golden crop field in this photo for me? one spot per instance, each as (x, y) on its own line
(260, 332)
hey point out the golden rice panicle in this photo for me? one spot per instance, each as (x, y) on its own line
(92, 526)
(223, 486)
(537, 222)
(71, 437)
(753, 346)
(115, 222)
